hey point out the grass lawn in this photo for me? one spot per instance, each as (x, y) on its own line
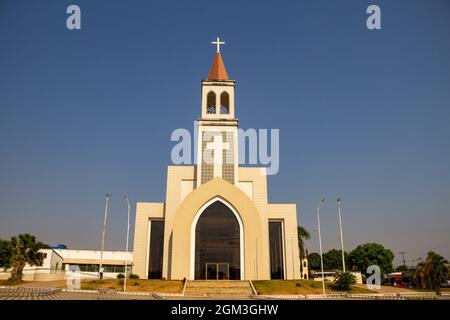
(297, 287)
(135, 285)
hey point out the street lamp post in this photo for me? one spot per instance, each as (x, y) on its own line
(340, 230)
(126, 248)
(322, 199)
(100, 271)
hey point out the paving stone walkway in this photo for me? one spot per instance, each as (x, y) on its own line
(20, 293)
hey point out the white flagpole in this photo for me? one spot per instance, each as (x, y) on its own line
(322, 199)
(126, 248)
(340, 230)
(100, 271)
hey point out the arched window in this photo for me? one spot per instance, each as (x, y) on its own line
(224, 103)
(211, 103)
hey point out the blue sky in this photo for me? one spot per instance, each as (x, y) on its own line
(363, 115)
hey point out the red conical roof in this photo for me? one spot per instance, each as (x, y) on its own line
(218, 70)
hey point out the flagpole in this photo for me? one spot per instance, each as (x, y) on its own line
(100, 269)
(340, 230)
(322, 199)
(126, 248)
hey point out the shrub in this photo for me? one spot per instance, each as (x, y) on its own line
(133, 276)
(120, 276)
(343, 281)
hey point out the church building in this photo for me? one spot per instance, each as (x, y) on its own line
(216, 222)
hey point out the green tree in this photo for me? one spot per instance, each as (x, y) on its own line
(19, 251)
(314, 261)
(369, 254)
(332, 260)
(435, 271)
(343, 281)
(4, 252)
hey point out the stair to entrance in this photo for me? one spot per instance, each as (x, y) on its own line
(218, 287)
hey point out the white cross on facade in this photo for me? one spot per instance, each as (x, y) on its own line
(218, 43)
(217, 146)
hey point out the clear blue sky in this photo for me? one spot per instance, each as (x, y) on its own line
(363, 115)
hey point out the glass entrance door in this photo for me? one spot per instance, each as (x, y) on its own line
(217, 271)
(217, 240)
(223, 271)
(211, 271)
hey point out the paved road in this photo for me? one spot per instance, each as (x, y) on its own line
(27, 293)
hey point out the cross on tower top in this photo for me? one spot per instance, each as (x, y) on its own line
(218, 43)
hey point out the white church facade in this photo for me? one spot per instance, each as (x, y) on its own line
(216, 222)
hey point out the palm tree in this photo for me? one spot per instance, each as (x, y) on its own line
(419, 277)
(302, 235)
(435, 270)
(22, 250)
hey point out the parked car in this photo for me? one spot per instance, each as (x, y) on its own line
(445, 284)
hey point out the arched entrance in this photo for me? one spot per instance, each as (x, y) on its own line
(253, 255)
(218, 247)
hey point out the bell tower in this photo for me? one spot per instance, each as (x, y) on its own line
(217, 127)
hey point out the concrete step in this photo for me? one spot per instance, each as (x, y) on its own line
(219, 291)
(218, 287)
(215, 283)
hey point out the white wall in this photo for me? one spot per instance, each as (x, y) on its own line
(56, 257)
(120, 256)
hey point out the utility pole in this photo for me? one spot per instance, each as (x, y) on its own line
(100, 269)
(404, 261)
